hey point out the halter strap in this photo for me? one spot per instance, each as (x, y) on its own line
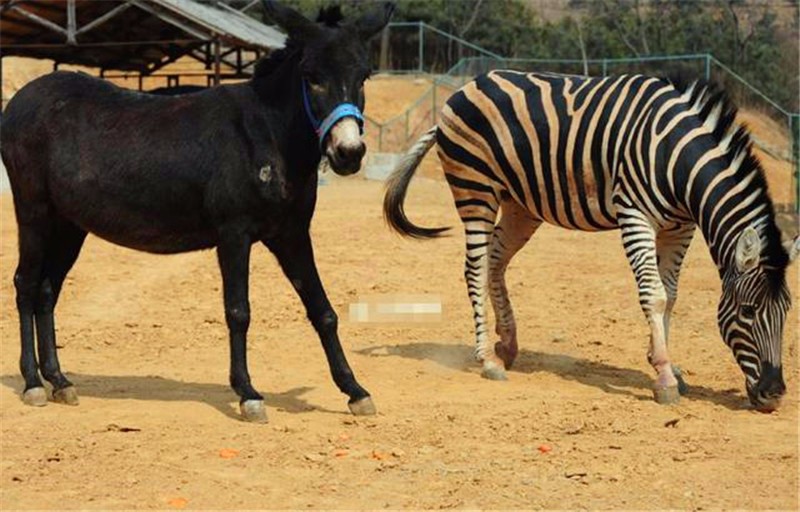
(341, 111)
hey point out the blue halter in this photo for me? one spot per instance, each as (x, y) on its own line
(341, 111)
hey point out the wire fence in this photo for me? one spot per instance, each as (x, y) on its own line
(776, 130)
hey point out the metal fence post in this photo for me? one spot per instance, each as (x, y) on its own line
(794, 126)
(605, 68)
(421, 47)
(708, 67)
(433, 110)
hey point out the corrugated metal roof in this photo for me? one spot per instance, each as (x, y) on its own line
(226, 22)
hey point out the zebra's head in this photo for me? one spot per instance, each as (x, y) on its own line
(752, 312)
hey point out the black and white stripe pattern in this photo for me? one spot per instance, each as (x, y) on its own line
(641, 154)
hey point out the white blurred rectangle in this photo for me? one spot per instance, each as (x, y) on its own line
(396, 309)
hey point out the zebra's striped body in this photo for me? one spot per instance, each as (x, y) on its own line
(634, 153)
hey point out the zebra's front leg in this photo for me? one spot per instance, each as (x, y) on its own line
(671, 246)
(639, 240)
(511, 233)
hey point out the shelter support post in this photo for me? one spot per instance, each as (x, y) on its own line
(72, 25)
(217, 60)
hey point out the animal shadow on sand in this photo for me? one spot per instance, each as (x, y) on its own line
(606, 377)
(152, 387)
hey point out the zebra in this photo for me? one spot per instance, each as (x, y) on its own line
(652, 157)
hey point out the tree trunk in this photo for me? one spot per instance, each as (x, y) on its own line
(383, 61)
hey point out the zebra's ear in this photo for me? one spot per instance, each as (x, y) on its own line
(748, 250)
(792, 248)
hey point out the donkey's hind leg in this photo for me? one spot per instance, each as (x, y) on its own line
(514, 229)
(34, 226)
(63, 247)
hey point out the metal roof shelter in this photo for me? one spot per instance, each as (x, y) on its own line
(140, 36)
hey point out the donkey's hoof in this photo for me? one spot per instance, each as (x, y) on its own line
(253, 411)
(493, 373)
(36, 397)
(362, 407)
(667, 395)
(682, 387)
(66, 395)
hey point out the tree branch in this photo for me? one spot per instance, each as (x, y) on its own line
(619, 29)
(472, 19)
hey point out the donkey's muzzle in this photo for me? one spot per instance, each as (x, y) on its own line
(345, 147)
(347, 159)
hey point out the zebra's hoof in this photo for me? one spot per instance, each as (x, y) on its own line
(66, 395)
(507, 352)
(253, 411)
(493, 373)
(683, 388)
(667, 395)
(36, 397)
(362, 407)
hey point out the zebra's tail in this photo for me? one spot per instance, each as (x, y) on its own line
(397, 186)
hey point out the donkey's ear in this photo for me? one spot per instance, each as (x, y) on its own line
(372, 23)
(792, 248)
(294, 23)
(748, 250)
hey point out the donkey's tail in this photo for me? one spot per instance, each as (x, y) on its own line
(397, 186)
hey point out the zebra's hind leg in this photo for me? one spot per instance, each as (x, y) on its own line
(639, 240)
(514, 229)
(478, 230)
(671, 246)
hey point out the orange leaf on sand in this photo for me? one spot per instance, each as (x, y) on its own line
(544, 448)
(377, 455)
(228, 453)
(340, 453)
(178, 502)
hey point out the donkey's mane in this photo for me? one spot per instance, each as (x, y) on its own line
(330, 16)
(719, 113)
(268, 64)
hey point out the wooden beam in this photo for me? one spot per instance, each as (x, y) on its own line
(104, 18)
(101, 45)
(171, 57)
(8, 5)
(38, 19)
(22, 22)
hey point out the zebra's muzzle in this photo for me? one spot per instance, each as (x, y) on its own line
(767, 393)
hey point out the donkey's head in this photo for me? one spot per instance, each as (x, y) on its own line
(752, 313)
(334, 65)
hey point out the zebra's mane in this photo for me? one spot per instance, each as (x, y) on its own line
(718, 112)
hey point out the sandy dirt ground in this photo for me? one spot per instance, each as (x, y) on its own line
(574, 427)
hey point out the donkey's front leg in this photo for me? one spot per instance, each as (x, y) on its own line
(233, 253)
(296, 257)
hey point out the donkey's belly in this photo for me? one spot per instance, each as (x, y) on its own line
(145, 216)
